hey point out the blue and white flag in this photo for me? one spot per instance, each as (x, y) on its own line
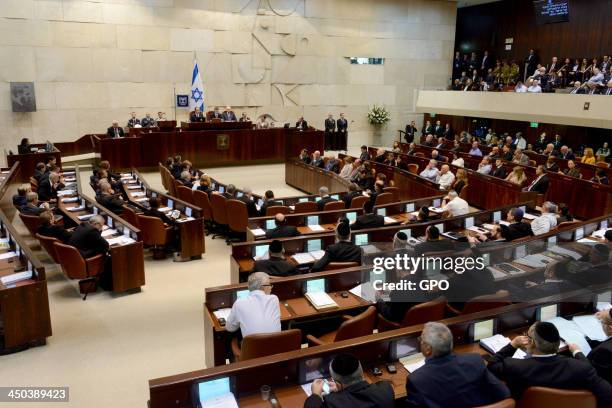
(196, 99)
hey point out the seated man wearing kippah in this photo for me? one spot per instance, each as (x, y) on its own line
(349, 389)
(543, 367)
(342, 251)
(275, 265)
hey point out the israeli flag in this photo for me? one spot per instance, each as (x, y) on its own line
(196, 99)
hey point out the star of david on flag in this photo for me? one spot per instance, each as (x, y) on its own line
(196, 99)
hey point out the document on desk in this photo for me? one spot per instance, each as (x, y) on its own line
(413, 362)
(590, 326)
(603, 306)
(164, 209)
(122, 240)
(141, 200)
(535, 260)
(506, 223)
(488, 226)
(62, 193)
(570, 333)
(139, 194)
(494, 343)
(8, 255)
(70, 200)
(109, 232)
(316, 228)
(565, 252)
(134, 187)
(15, 277)
(389, 220)
(528, 216)
(321, 300)
(85, 217)
(303, 258)
(437, 210)
(307, 388)
(222, 313)
(77, 208)
(258, 232)
(317, 254)
(185, 219)
(477, 229)
(69, 180)
(600, 233)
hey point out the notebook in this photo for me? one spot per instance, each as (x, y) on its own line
(413, 362)
(494, 343)
(321, 300)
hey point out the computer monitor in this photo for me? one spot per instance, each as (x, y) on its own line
(188, 211)
(221, 189)
(95, 210)
(523, 208)
(497, 216)
(552, 240)
(260, 202)
(126, 232)
(239, 194)
(382, 211)
(361, 239)
(153, 194)
(602, 300)
(469, 222)
(403, 347)
(82, 202)
(302, 199)
(603, 224)
(313, 245)
(170, 203)
(260, 250)
(109, 222)
(312, 220)
(440, 227)
(314, 368)
(408, 232)
(317, 199)
(546, 313)
(520, 251)
(579, 233)
(213, 186)
(335, 196)
(481, 330)
(436, 203)
(207, 391)
(410, 207)
(242, 293)
(351, 216)
(315, 285)
(270, 224)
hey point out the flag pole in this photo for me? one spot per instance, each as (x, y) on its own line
(174, 91)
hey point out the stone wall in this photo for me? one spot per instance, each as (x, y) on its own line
(95, 61)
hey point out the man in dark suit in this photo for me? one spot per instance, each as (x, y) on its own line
(332, 164)
(196, 116)
(87, 237)
(342, 125)
(352, 193)
(48, 188)
(114, 131)
(500, 171)
(19, 199)
(448, 132)
(438, 130)
(317, 160)
(282, 230)
(153, 211)
(368, 219)
(566, 153)
(448, 379)
(215, 114)
(411, 131)
(349, 389)
(330, 128)
(365, 155)
(427, 129)
(530, 63)
(275, 265)
(108, 199)
(433, 243)
(133, 121)
(517, 228)
(342, 251)
(269, 201)
(325, 198)
(148, 121)
(230, 192)
(485, 64)
(545, 368)
(39, 172)
(600, 356)
(301, 124)
(540, 184)
(247, 198)
(229, 115)
(32, 205)
(49, 228)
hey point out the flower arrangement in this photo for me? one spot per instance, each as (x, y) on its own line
(378, 115)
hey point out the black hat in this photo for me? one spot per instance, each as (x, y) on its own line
(343, 230)
(547, 331)
(276, 247)
(345, 364)
(402, 235)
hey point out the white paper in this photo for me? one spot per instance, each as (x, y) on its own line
(139, 194)
(600, 233)
(389, 220)
(141, 200)
(590, 326)
(15, 277)
(365, 291)
(122, 240)
(413, 362)
(109, 232)
(8, 255)
(437, 210)
(134, 187)
(603, 306)
(258, 232)
(164, 209)
(62, 193)
(307, 388)
(528, 216)
(495, 343)
(77, 208)
(70, 200)
(222, 401)
(185, 219)
(488, 226)
(570, 333)
(565, 252)
(519, 354)
(317, 254)
(222, 313)
(320, 299)
(316, 228)
(506, 223)
(303, 258)
(477, 229)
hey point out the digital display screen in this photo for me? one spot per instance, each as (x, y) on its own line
(335, 196)
(407, 232)
(552, 240)
(312, 220)
(351, 216)
(221, 189)
(440, 228)
(260, 202)
(170, 203)
(315, 285)
(483, 329)
(208, 390)
(469, 222)
(95, 210)
(520, 252)
(270, 224)
(497, 216)
(603, 224)
(436, 203)
(317, 199)
(546, 313)
(361, 239)
(579, 233)
(403, 347)
(551, 11)
(242, 293)
(261, 250)
(109, 222)
(188, 211)
(239, 194)
(410, 207)
(314, 368)
(382, 211)
(523, 209)
(313, 245)
(302, 200)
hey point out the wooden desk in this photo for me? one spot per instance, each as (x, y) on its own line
(127, 260)
(29, 161)
(309, 179)
(216, 125)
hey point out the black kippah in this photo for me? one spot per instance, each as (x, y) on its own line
(547, 331)
(276, 246)
(402, 235)
(343, 229)
(345, 364)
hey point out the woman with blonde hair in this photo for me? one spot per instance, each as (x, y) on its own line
(461, 180)
(588, 157)
(396, 147)
(517, 176)
(205, 184)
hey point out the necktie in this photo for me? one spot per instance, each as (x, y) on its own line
(116, 132)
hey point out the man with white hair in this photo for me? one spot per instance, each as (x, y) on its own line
(577, 89)
(547, 221)
(114, 131)
(454, 206)
(108, 199)
(429, 141)
(484, 167)
(229, 115)
(87, 237)
(448, 379)
(317, 160)
(431, 171)
(608, 90)
(332, 164)
(258, 312)
(247, 199)
(534, 86)
(445, 178)
(325, 198)
(597, 77)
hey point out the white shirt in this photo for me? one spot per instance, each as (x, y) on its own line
(543, 223)
(457, 206)
(256, 313)
(346, 171)
(535, 89)
(486, 169)
(458, 162)
(521, 89)
(430, 174)
(521, 143)
(445, 180)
